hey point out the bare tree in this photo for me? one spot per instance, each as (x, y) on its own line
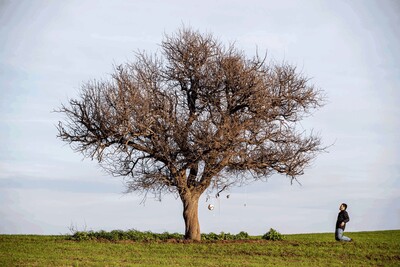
(200, 116)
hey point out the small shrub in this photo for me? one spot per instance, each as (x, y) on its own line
(81, 236)
(225, 236)
(165, 236)
(242, 236)
(135, 235)
(102, 235)
(117, 235)
(210, 236)
(273, 235)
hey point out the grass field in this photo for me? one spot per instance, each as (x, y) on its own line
(380, 248)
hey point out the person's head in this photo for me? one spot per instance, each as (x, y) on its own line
(343, 206)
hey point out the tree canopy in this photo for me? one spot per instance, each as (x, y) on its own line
(199, 115)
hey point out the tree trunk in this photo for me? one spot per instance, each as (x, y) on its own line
(191, 215)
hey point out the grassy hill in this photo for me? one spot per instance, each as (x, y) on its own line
(380, 248)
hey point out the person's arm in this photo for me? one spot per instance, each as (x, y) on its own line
(345, 218)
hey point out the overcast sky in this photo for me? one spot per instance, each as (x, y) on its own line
(350, 49)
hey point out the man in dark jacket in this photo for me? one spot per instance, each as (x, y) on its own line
(342, 219)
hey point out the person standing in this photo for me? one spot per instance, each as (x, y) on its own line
(342, 219)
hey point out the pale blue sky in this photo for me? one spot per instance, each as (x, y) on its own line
(350, 49)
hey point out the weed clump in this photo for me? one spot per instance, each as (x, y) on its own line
(225, 236)
(135, 235)
(273, 235)
(119, 235)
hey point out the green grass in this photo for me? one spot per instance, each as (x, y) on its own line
(380, 248)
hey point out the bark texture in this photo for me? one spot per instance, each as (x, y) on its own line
(190, 215)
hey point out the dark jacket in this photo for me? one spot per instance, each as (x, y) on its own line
(342, 217)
